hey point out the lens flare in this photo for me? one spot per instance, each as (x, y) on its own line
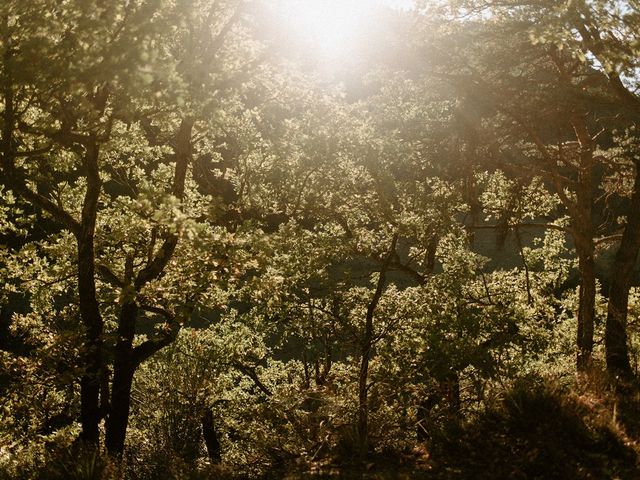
(330, 26)
(332, 29)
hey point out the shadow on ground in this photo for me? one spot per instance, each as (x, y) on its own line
(535, 433)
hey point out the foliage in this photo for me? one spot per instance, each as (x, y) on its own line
(534, 431)
(245, 269)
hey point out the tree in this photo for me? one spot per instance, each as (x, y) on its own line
(117, 100)
(607, 34)
(527, 93)
(355, 215)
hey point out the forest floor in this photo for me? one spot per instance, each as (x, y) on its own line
(535, 431)
(531, 433)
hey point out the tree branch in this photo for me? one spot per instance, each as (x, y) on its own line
(251, 373)
(182, 149)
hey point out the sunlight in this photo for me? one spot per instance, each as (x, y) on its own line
(332, 28)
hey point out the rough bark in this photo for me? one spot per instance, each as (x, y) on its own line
(584, 233)
(586, 310)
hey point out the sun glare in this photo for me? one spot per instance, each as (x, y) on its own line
(332, 28)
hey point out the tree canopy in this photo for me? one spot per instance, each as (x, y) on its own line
(228, 252)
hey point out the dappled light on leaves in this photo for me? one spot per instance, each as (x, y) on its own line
(255, 239)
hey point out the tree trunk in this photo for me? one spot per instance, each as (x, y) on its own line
(123, 370)
(363, 392)
(583, 237)
(90, 413)
(586, 310)
(91, 360)
(127, 358)
(118, 419)
(617, 351)
(367, 344)
(210, 435)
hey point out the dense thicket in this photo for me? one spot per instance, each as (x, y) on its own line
(219, 261)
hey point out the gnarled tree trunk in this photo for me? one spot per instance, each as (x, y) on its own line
(127, 358)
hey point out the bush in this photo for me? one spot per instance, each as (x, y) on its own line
(534, 432)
